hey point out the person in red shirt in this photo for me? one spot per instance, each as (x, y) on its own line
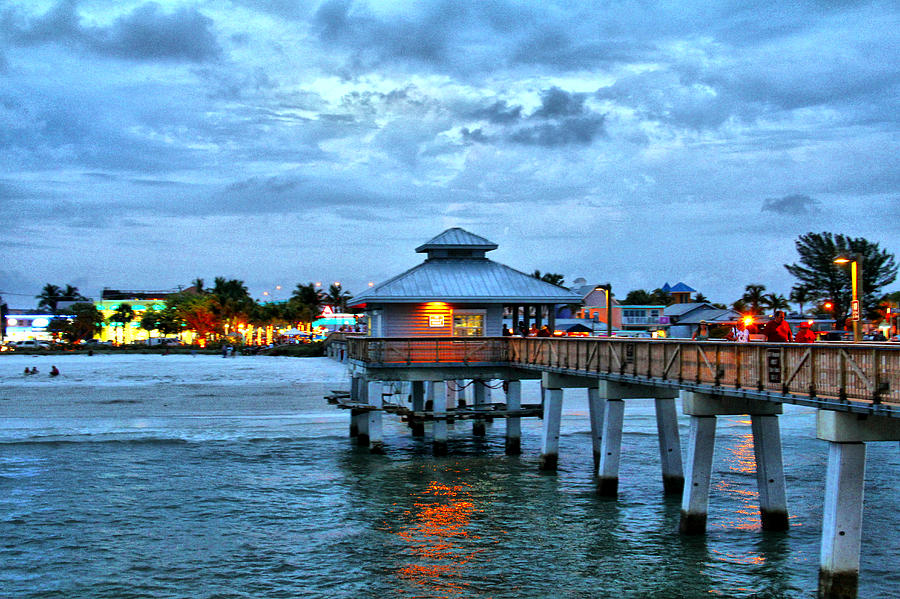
(805, 334)
(778, 330)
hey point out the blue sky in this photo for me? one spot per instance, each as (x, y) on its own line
(144, 144)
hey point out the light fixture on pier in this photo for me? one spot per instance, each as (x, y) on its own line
(856, 264)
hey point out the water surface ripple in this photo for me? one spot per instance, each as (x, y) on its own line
(180, 476)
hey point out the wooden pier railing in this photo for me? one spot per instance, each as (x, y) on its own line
(821, 371)
(424, 351)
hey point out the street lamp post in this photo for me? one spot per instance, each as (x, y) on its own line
(856, 268)
(608, 289)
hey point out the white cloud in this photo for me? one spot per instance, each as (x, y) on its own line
(551, 128)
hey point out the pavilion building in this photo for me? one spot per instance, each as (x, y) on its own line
(459, 292)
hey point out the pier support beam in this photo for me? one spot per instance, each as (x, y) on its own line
(703, 409)
(611, 448)
(439, 427)
(479, 394)
(354, 398)
(596, 407)
(842, 521)
(769, 472)
(376, 400)
(695, 499)
(417, 391)
(847, 435)
(513, 423)
(669, 446)
(550, 435)
(362, 416)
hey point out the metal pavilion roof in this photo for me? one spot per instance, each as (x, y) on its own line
(457, 238)
(464, 279)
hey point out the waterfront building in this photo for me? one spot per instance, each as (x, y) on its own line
(25, 325)
(457, 291)
(684, 318)
(680, 293)
(140, 302)
(593, 306)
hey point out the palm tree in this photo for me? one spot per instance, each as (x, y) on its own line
(71, 294)
(754, 295)
(123, 315)
(49, 296)
(775, 301)
(549, 277)
(198, 285)
(309, 296)
(234, 301)
(801, 294)
(337, 297)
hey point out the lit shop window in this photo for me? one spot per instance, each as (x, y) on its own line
(468, 325)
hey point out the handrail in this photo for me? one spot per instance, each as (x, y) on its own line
(837, 371)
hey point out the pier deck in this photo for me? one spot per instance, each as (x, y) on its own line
(854, 387)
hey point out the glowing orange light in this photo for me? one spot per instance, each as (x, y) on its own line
(748, 320)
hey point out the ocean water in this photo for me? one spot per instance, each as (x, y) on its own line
(198, 476)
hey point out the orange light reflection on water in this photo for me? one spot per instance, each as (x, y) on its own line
(741, 459)
(438, 540)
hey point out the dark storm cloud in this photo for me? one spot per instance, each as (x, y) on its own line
(499, 113)
(569, 131)
(792, 205)
(562, 119)
(147, 33)
(557, 103)
(554, 47)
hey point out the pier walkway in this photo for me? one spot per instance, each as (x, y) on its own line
(854, 387)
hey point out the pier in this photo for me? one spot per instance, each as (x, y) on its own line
(854, 387)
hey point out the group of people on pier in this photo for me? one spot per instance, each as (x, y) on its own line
(524, 331)
(777, 330)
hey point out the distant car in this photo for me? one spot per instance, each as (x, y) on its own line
(31, 344)
(874, 337)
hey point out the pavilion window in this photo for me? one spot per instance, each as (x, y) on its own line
(468, 324)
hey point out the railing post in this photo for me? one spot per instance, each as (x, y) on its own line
(876, 378)
(761, 368)
(717, 379)
(738, 359)
(698, 353)
(842, 375)
(813, 355)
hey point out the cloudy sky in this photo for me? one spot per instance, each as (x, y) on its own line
(144, 144)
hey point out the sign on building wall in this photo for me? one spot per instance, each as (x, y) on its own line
(436, 320)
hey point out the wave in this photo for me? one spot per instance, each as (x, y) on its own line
(61, 440)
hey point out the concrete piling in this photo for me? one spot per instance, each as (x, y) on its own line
(695, 499)
(479, 395)
(418, 405)
(439, 427)
(769, 472)
(596, 406)
(669, 445)
(611, 448)
(513, 423)
(376, 438)
(550, 435)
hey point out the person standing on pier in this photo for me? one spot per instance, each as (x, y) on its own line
(805, 334)
(778, 330)
(702, 332)
(739, 332)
